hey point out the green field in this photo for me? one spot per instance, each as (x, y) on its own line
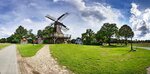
(82, 59)
(142, 44)
(28, 50)
(3, 45)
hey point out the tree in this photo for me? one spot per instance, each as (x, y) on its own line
(3, 40)
(19, 33)
(131, 36)
(10, 39)
(100, 37)
(47, 31)
(118, 37)
(30, 36)
(39, 33)
(46, 34)
(73, 41)
(126, 32)
(88, 37)
(106, 32)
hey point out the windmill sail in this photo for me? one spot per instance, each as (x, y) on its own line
(62, 16)
(50, 17)
(58, 27)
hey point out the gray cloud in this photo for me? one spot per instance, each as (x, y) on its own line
(95, 14)
(144, 29)
(140, 20)
(4, 32)
(30, 14)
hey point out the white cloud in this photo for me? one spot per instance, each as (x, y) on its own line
(95, 14)
(140, 20)
(29, 14)
(4, 32)
(26, 23)
(96, 11)
(82, 17)
(29, 24)
(79, 4)
(134, 9)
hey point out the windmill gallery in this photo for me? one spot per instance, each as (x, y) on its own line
(58, 36)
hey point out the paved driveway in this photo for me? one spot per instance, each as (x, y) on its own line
(8, 60)
(147, 48)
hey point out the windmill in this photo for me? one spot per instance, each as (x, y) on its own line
(58, 27)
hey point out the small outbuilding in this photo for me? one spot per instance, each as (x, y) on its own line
(39, 40)
(78, 41)
(24, 40)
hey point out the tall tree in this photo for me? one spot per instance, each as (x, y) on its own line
(107, 31)
(40, 33)
(47, 31)
(118, 37)
(126, 32)
(131, 36)
(3, 40)
(46, 34)
(19, 33)
(88, 37)
(30, 36)
(100, 37)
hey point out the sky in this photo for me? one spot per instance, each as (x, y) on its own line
(83, 14)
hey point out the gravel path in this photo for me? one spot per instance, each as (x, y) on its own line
(8, 60)
(42, 63)
(148, 70)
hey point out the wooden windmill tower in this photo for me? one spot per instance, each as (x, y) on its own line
(58, 36)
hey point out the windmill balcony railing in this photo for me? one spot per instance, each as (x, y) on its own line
(67, 35)
(61, 35)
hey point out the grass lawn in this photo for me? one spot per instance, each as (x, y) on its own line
(142, 44)
(82, 59)
(3, 45)
(28, 50)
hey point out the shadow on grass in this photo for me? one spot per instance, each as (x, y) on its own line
(113, 46)
(129, 51)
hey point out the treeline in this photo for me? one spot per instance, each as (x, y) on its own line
(18, 35)
(21, 32)
(108, 33)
